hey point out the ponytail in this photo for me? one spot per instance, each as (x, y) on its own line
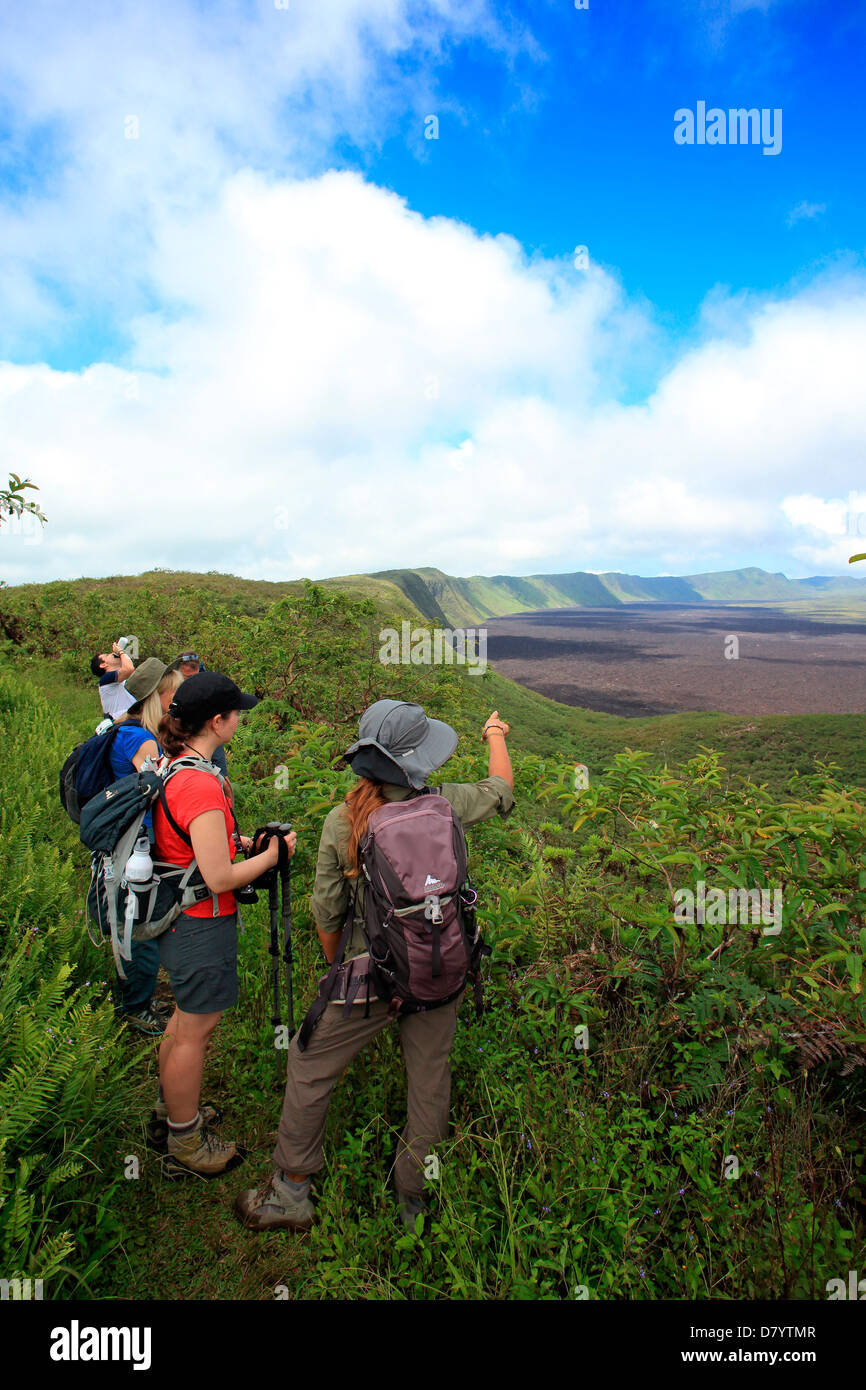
(364, 798)
(174, 733)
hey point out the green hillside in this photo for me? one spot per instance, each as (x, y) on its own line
(237, 594)
(465, 602)
(450, 601)
(59, 625)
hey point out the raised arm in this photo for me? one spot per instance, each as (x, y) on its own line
(494, 734)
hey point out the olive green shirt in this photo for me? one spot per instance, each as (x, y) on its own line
(473, 802)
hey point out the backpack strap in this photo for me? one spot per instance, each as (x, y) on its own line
(185, 765)
(181, 834)
(192, 765)
(326, 988)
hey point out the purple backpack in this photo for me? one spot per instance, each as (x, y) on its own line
(419, 914)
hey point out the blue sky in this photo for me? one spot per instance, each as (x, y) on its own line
(279, 276)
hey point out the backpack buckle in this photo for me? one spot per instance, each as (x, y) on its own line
(432, 910)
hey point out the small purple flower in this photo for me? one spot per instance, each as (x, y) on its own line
(657, 1210)
(682, 1190)
(643, 1274)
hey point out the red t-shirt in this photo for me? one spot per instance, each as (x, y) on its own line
(189, 794)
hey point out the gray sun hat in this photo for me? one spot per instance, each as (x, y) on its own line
(408, 740)
(145, 678)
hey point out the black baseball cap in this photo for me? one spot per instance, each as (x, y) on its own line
(207, 694)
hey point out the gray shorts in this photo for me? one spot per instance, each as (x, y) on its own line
(200, 955)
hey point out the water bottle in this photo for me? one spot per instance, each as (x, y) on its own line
(123, 642)
(138, 875)
(139, 866)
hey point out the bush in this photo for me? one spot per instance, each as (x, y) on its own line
(61, 1063)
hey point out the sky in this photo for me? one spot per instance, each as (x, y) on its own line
(318, 287)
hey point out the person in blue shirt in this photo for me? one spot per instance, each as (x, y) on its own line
(152, 686)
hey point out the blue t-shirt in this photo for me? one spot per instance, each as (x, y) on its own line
(125, 744)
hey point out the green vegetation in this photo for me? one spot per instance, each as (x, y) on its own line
(62, 1065)
(600, 1167)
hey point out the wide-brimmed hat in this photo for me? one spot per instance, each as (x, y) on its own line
(407, 740)
(145, 678)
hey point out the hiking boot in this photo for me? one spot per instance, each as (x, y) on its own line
(276, 1205)
(156, 1130)
(147, 1021)
(410, 1206)
(200, 1152)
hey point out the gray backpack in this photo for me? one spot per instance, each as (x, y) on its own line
(111, 825)
(419, 914)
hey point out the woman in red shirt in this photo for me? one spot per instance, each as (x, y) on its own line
(199, 951)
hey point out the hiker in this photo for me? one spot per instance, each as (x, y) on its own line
(199, 951)
(397, 749)
(189, 663)
(151, 687)
(112, 669)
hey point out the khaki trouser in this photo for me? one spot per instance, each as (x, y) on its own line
(426, 1042)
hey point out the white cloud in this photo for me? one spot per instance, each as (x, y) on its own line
(805, 212)
(213, 88)
(279, 419)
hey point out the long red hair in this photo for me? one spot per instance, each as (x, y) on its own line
(364, 798)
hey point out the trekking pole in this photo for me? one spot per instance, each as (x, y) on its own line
(285, 864)
(270, 830)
